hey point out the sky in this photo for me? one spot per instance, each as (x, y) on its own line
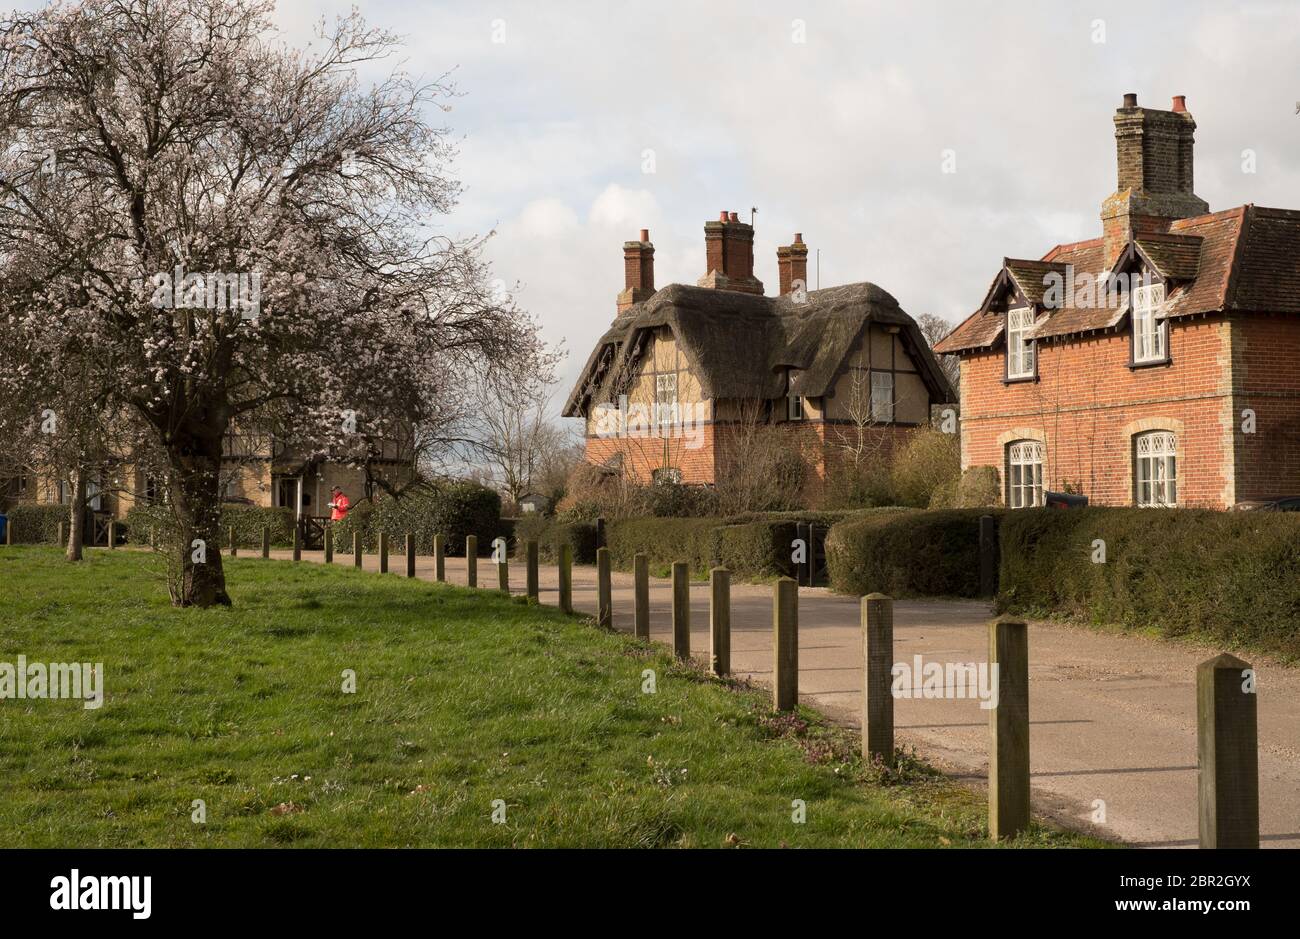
(583, 122)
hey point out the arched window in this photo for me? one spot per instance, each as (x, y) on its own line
(1155, 468)
(1024, 473)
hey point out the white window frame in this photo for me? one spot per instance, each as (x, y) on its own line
(1150, 335)
(1020, 351)
(1025, 461)
(794, 408)
(666, 410)
(1155, 469)
(882, 397)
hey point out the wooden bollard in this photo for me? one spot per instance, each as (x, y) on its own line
(501, 557)
(266, 541)
(785, 644)
(988, 545)
(1009, 729)
(600, 533)
(604, 594)
(681, 610)
(720, 620)
(297, 542)
(566, 577)
(641, 596)
(234, 545)
(471, 560)
(9, 533)
(383, 552)
(531, 586)
(439, 558)
(410, 555)
(63, 534)
(329, 544)
(1227, 753)
(112, 533)
(877, 678)
(358, 557)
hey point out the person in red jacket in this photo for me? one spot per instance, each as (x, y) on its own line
(339, 505)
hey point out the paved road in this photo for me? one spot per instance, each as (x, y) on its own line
(1112, 717)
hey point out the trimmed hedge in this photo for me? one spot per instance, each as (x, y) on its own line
(908, 553)
(36, 523)
(549, 533)
(452, 509)
(247, 520)
(1227, 577)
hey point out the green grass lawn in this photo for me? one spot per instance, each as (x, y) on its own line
(462, 698)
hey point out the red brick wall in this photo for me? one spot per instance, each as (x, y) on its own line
(1266, 356)
(1087, 401)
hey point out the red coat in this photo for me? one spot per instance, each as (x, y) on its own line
(341, 506)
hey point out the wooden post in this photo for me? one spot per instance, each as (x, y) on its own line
(234, 545)
(604, 595)
(1227, 753)
(439, 558)
(641, 596)
(681, 610)
(600, 533)
(471, 560)
(297, 542)
(410, 555)
(63, 534)
(1009, 729)
(112, 533)
(532, 590)
(988, 542)
(266, 541)
(566, 577)
(503, 565)
(357, 556)
(9, 532)
(383, 552)
(720, 620)
(329, 543)
(785, 644)
(877, 678)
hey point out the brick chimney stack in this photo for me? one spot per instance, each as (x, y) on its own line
(638, 271)
(792, 264)
(729, 255)
(1153, 152)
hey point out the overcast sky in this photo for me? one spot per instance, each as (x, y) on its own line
(840, 136)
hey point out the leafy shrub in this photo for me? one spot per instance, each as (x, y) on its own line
(926, 468)
(549, 533)
(1227, 577)
(678, 500)
(850, 486)
(663, 541)
(247, 520)
(978, 486)
(907, 554)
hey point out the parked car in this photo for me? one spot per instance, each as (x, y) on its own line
(1278, 504)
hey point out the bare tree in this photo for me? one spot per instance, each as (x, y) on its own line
(935, 328)
(243, 234)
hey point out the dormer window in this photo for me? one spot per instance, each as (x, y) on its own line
(1020, 348)
(794, 408)
(1150, 341)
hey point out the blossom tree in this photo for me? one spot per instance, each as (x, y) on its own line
(243, 233)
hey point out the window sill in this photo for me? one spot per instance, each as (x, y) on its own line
(1153, 363)
(1022, 380)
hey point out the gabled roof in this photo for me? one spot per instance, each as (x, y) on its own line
(745, 346)
(1245, 259)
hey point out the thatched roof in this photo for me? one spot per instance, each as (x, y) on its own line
(742, 346)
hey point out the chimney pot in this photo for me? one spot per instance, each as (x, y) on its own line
(798, 238)
(722, 216)
(734, 217)
(645, 235)
(1131, 100)
(1180, 103)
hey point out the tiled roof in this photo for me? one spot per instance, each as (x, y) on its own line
(1245, 259)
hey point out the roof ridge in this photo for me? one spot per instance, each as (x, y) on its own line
(1071, 246)
(1231, 284)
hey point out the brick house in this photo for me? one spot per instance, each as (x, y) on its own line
(1153, 365)
(675, 387)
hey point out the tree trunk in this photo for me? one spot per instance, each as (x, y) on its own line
(197, 576)
(77, 519)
